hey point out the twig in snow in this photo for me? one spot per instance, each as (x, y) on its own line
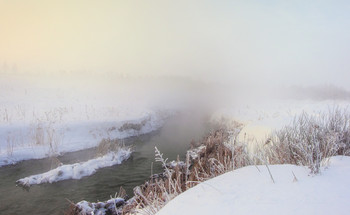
(295, 178)
(270, 173)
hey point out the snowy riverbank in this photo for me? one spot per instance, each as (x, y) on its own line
(25, 142)
(43, 117)
(250, 190)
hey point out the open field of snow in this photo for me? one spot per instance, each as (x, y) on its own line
(250, 190)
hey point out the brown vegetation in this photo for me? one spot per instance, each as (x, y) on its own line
(209, 160)
(106, 145)
(133, 126)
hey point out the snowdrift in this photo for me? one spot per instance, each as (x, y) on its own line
(77, 170)
(250, 190)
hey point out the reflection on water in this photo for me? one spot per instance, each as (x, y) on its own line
(172, 140)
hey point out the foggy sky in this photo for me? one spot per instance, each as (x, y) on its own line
(246, 42)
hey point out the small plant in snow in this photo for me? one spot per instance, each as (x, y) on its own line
(159, 158)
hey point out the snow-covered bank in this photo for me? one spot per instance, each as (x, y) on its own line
(25, 142)
(250, 190)
(77, 170)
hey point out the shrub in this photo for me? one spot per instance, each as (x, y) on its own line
(310, 139)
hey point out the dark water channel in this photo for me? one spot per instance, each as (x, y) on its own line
(172, 140)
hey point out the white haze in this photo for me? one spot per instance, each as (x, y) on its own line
(233, 47)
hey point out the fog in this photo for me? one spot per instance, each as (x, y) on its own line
(77, 73)
(235, 47)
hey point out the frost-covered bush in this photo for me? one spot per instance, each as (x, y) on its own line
(310, 139)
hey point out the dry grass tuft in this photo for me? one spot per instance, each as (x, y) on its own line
(134, 126)
(107, 145)
(72, 209)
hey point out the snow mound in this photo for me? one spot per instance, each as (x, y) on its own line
(250, 190)
(111, 206)
(77, 170)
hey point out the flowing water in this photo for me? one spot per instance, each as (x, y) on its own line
(172, 140)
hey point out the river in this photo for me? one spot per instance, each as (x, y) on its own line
(172, 139)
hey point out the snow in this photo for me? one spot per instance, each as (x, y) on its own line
(173, 164)
(18, 142)
(250, 190)
(100, 207)
(193, 153)
(41, 116)
(77, 170)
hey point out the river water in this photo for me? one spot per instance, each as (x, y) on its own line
(172, 140)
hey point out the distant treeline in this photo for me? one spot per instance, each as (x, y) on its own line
(321, 92)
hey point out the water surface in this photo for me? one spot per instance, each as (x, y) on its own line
(172, 140)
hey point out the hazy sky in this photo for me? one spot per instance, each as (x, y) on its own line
(284, 42)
